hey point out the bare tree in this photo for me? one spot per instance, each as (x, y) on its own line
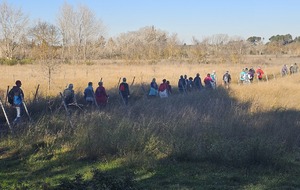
(46, 40)
(147, 42)
(111, 48)
(199, 51)
(79, 30)
(13, 23)
(173, 46)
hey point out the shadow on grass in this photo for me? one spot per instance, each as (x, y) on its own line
(202, 140)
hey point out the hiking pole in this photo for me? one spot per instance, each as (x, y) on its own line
(66, 108)
(25, 107)
(6, 96)
(36, 92)
(132, 81)
(5, 115)
(119, 82)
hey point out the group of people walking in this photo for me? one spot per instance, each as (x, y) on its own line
(186, 84)
(98, 97)
(247, 75)
(291, 70)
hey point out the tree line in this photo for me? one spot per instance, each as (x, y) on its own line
(78, 35)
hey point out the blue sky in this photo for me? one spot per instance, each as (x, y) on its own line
(187, 18)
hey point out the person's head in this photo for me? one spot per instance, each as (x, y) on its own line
(227, 72)
(181, 76)
(208, 74)
(90, 84)
(70, 86)
(18, 83)
(295, 63)
(164, 80)
(190, 78)
(168, 82)
(100, 83)
(213, 71)
(153, 80)
(124, 79)
(197, 74)
(185, 76)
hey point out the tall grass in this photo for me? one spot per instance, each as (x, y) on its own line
(245, 125)
(208, 125)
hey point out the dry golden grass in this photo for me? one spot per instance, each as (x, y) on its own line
(278, 93)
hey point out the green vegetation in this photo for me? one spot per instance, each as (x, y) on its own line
(204, 140)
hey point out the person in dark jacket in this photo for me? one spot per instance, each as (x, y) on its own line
(69, 95)
(182, 85)
(124, 91)
(226, 79)
(198, 82)
(18, 96)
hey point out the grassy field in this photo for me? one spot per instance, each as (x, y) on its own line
(244, 137)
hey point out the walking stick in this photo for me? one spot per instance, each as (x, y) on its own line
(6, 96)
(5, 115)
(25, 107)
(36, 92)
(132, 81)
(119, 82)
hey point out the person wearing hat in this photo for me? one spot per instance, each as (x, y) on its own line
(69, 94)
(101, 96)
(124, 91)
(17, 99)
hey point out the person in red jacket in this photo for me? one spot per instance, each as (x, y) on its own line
(208, 82)
(163, 89)
(101, 96)
(259, 73)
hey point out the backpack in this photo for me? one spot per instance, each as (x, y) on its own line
(122, 88)
(10, 96)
